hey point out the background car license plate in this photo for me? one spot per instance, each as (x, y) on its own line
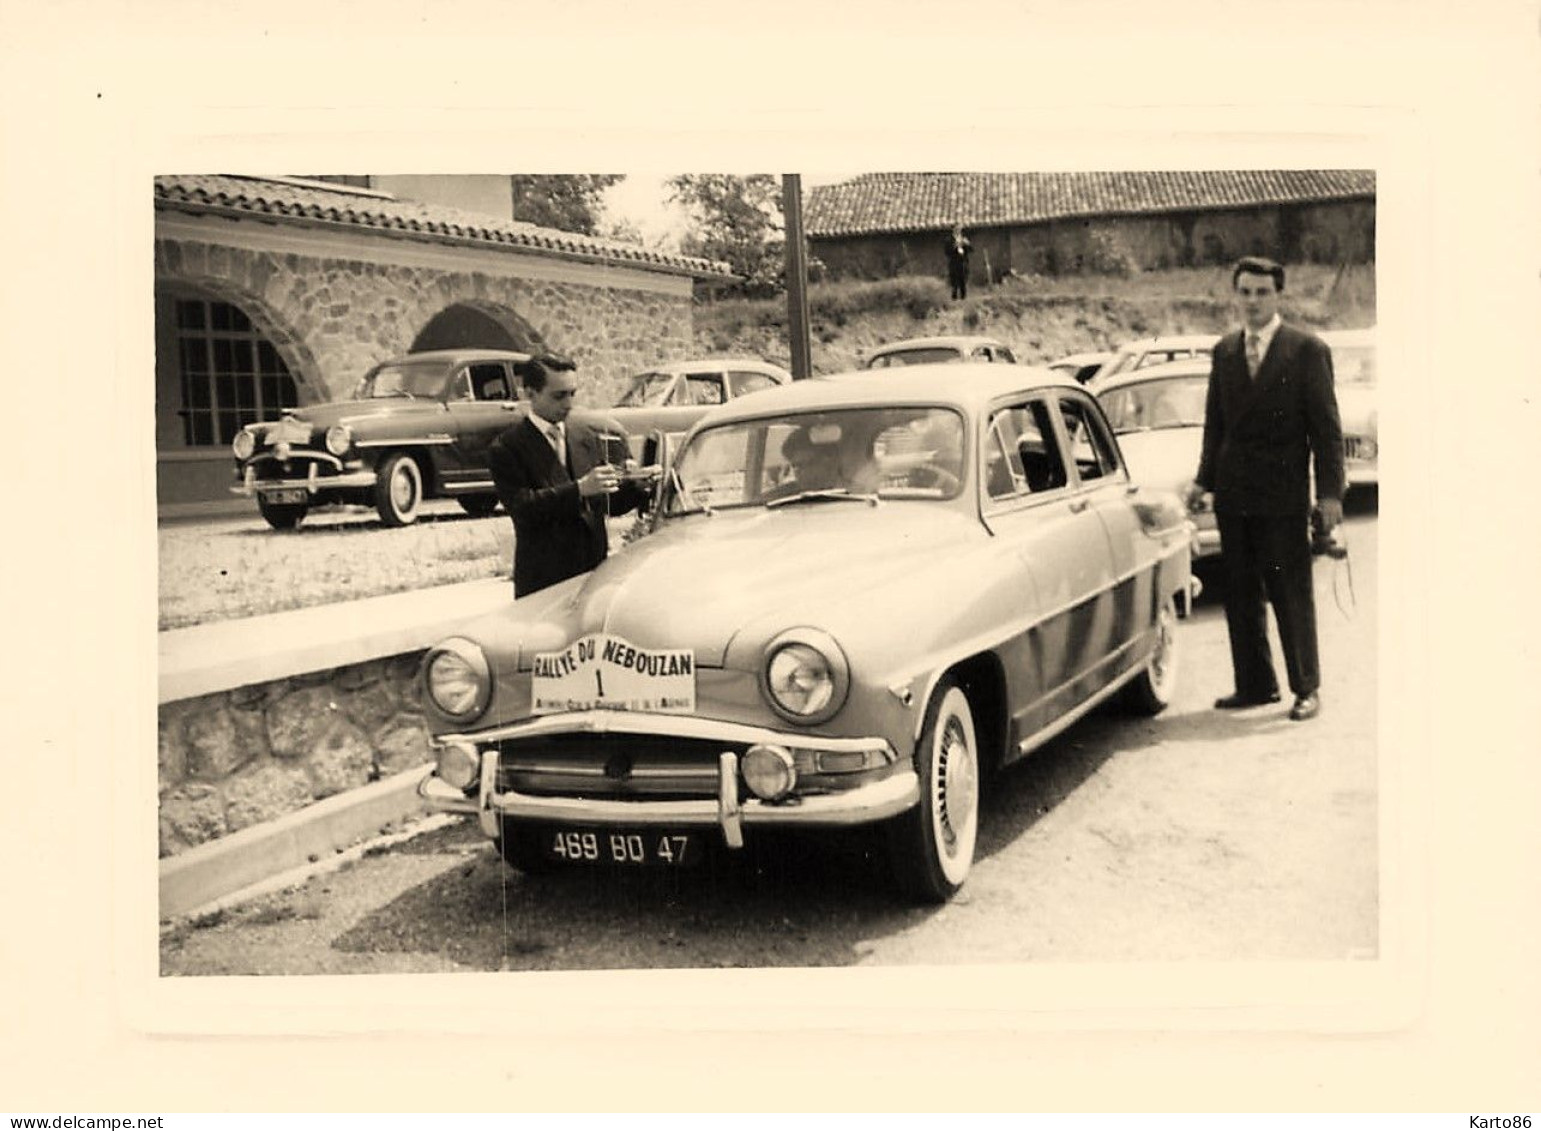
(286, 495)
(623, 847)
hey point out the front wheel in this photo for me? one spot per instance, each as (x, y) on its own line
(1153, 689)
(931, 848)
(399, 490)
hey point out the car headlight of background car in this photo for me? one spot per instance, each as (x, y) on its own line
(244, 444)
(457, 679)
(806, 676)
(339, 438)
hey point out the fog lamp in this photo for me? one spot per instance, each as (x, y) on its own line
(768, 771)
(458, 765)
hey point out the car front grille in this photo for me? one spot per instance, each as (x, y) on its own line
(612, 765)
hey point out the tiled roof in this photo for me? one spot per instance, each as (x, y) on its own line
(310, 204)
(908, 202)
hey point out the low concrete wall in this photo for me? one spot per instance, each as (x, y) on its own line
(237, 758)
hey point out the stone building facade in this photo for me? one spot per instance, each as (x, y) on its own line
(271, 292)
(883, 225)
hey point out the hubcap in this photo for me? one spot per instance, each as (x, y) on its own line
(403, 490)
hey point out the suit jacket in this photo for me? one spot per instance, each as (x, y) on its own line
(1262, 434)
(557, 533)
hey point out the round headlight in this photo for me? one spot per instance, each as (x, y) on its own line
(339, 438)
(805, 676)
(245, 444)
(457, 679)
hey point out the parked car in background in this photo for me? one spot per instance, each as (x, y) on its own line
(670, 398)
(416, 427)
(1156, 351)
(1157, 413)
(929, 351)
(858, 596)
(1081, 366)
(1353, 367)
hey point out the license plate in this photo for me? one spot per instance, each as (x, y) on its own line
(286, 495)
(624, 847)
(605, 672)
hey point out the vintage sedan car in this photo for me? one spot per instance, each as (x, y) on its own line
(929, 351)
(670, 398)
(416, 427)
(1154, 351)
(859, 596)
(1082, 366)
(1157, 413)
(1353, 368)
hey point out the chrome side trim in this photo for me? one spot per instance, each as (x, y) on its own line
(405, 442)
(1039, 737)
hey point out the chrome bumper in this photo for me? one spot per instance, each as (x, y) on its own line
(729, 811)
(312, 482)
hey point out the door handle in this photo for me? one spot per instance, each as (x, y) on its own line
(1079, 505)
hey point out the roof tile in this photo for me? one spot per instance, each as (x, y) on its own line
(873, 203)
(310, 203)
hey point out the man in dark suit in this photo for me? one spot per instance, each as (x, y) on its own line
(1271, 414)
(958, 249)
(555, 481)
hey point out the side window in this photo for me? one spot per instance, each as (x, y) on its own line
(742, 382)
(703, 388)
(459, 387)
(1005, 355)
(489, 381)
(982, 353)
(1091, 448)
(1023, 455)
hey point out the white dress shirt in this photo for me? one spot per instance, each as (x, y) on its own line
(1263, 337)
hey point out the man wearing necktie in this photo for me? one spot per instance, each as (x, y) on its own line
(1271, 415)
(554, 479)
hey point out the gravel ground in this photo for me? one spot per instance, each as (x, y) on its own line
(211, 571)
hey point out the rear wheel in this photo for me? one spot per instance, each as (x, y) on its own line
(478, 506)
(931, 848)
(399, 490)
(1153, 689)
(282, 516)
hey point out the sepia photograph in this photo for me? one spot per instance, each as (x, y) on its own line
(603, 572)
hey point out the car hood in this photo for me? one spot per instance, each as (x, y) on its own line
(323, 416)
(1163, 457)
(704, 582)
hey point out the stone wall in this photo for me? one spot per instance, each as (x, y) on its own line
(331, 319)
(241, 757)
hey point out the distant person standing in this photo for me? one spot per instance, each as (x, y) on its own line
(958, 250)
(1271, 413)
(553, 477)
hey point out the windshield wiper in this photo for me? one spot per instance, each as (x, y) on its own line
(690, 500)
(870, 498)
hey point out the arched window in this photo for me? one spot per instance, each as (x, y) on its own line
(230, 373)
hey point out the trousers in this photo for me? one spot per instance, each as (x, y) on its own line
(1269, 556)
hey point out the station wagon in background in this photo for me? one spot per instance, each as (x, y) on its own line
(669, 398)
(858, 597)
(1156, 351)
(930, 351)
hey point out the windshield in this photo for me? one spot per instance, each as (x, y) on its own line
(650, 389)
(408, 379)
(1174, 402)
(1353, 365)
(919, 356)
(873, 453)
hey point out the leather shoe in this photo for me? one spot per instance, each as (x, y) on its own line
(1238, 702)
(1306, 707)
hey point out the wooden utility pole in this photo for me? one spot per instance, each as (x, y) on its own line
(797, 277)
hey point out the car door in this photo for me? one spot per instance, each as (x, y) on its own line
(1033, 504)
(1104, 482)
(481, 402)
